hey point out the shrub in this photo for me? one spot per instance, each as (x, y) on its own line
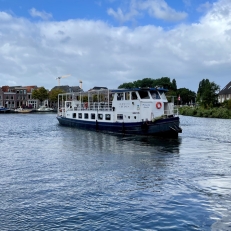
(202, 112)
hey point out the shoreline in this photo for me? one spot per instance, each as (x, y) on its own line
(218, 113)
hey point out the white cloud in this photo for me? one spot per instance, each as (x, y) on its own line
(156, 8)
(204, 7)
(43, 15)
(4, 16)
(160, 9)
(121, 16)
(102, 55)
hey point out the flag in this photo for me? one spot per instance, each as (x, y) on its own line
(178, 98)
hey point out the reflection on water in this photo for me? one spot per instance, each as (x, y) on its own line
(165, 145)
(60, 178)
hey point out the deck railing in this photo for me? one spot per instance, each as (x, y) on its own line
(171, 112)
(94, 106)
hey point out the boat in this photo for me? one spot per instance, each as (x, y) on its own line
(45, 109)
(23, 110)
(4, 109)
(138, 111)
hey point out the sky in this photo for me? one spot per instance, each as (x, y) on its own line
(106, 43)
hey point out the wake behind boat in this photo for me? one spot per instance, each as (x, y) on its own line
(140, 111)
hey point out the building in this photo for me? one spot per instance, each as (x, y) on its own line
(13, 97)
(225, 93)
(68, 89)
(98, 88)
(1, 97)
(17, 96)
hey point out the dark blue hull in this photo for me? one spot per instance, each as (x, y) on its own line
(168, 127)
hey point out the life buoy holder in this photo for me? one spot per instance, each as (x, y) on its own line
(158, 105)
(86, 105)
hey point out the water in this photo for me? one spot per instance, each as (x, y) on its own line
(59, 178)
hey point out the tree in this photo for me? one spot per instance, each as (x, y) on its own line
(207, 94)
(171, 95)
(41, 94)
(126, 85)
(164, 82)
(53, 94)
(174, 86)
(186, 96)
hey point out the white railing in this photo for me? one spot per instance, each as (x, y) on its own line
(94, 106)
(171, 112)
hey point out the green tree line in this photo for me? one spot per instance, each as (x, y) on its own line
(42, 94)
(186, 95)
(206, 96)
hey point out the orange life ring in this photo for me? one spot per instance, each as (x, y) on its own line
(158, 105)
(86, 105)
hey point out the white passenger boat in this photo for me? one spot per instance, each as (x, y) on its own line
(141, 111)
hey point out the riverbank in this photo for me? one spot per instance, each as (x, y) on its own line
(222, 113)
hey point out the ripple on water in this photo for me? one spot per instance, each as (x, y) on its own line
(58, 178)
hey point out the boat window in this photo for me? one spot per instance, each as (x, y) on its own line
(128, 117)
(127, 95)
(80, 115)
(144, 95)
(108, 116)
(162, 95)
(112, 96)
(119, 116)
(120, 96)
(134, 96)
(92, 116)
(74, 115)
(85, 115)
(100, 116)
(134, 117)
(155, 95)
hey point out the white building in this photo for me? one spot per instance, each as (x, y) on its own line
(225, 93)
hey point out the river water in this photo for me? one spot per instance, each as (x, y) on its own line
(59, 178)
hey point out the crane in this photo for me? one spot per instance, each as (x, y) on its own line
(60, 77)
(80, 83)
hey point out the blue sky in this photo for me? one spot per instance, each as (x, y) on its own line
(61, 10)
(109, 42)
